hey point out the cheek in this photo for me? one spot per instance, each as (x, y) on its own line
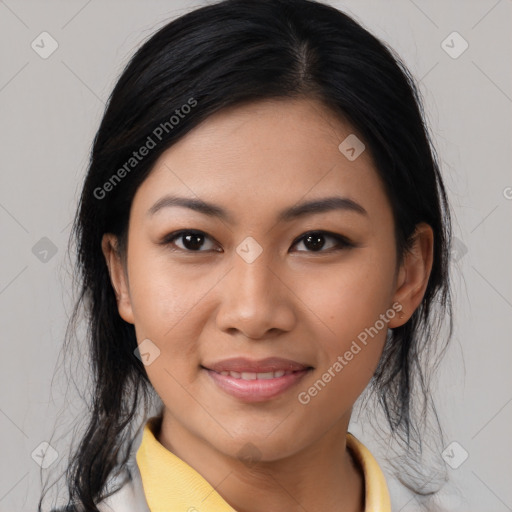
(339, 384)
(348, 358)
(355, 309)
(167, 309)
(162, 295)
(351, 296)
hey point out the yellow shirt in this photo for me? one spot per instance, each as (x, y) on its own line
(190, 492)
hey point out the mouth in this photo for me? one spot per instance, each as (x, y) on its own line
(256, 381)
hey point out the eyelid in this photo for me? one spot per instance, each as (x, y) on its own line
(169, 238)
(343, 243)
(327, 234)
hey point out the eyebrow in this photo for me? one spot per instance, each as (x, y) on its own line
(212, 210)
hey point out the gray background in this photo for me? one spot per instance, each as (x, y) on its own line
(50, 110)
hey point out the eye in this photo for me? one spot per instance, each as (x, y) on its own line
(192, 240)
(314, 240)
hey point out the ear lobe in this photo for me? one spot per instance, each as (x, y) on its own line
(118, 276)
(414, 274)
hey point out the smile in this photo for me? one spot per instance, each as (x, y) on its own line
(255, 376)
(251, 380)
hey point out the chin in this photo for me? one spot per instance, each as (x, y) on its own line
(252, 447)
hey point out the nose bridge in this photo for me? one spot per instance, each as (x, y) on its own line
(252, 279)
(252, 265)
(254, 300)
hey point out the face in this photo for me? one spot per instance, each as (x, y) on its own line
(316, 288)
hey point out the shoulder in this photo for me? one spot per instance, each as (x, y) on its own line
(130, 497)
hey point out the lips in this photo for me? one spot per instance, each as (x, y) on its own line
(263, 367)
(256, 381)
(255, 375)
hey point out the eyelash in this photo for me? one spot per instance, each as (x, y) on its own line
(342, 242)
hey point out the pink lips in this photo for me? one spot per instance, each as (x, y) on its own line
(256, 381)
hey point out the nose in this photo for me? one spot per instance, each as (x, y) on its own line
(255, 300)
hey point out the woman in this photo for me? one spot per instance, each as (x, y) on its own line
(263, 234)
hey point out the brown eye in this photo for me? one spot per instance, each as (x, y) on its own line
(191, 241)
(314, 241)
(195, 241)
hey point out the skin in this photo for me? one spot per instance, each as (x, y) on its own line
(292, 301)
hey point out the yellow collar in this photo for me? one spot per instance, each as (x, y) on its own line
(190, 491)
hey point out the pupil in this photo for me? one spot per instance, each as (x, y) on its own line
(315, 241)
(193, 241)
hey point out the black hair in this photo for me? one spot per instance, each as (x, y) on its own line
(222, 55)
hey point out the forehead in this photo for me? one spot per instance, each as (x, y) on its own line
(266, 155)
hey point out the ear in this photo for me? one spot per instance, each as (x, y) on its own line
(413, 274)
(118, 276)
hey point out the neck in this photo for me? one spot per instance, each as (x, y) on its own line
(322, 476)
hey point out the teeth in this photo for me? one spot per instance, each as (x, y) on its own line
(263, 376)
(254, 376)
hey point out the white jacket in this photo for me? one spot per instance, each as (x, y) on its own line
(131, 497)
